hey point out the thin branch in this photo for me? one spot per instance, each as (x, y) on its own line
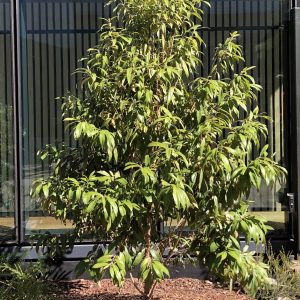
(135, 284)
(180, 226)
(152, 290)
(162, 243)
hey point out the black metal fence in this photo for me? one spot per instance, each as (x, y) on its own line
(54, 34)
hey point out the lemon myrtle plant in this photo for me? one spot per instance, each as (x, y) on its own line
(159, 142)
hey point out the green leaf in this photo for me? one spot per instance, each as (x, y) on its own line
(157, 269)
(180, 197)
(100, 265)
(145, 274)
(122, 211)
(91, 206)
(146, 263)
(112, 272)
(120, 263)
(138, 258)
(129, 75)
(213, 247)
(104, 259)
(160, 145)
(185, 68)
(46, 190)
(160, 269)
(226, 162)
(234, 254)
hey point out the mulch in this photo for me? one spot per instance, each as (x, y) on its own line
(170, 289)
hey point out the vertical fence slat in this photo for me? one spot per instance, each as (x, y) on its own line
(7, 196)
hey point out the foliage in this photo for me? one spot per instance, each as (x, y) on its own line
(10, 257)
(156, 141)
(285, 283)
(18, 281)
(218, 245)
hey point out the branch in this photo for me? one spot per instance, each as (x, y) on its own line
(135, 284)
(180, 226)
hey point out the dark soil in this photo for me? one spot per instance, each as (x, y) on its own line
(172, 289)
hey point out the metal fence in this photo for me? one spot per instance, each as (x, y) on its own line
(54, 34)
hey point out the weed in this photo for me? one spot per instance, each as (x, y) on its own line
(284, 282)
(20, 281)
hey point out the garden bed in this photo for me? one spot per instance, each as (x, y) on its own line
(173, 289)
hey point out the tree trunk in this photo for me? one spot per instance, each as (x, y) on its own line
(148, 282)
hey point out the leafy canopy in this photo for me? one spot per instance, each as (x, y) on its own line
(158, 142)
